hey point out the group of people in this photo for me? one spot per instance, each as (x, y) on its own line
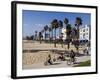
(62, 57)
(68, 56)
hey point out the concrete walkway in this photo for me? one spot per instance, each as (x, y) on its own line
(57, 64)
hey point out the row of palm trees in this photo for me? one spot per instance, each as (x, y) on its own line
(55, 24)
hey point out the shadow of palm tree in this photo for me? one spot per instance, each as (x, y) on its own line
(56, 63)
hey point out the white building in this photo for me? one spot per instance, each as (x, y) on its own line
(84, 33)
(64, 33)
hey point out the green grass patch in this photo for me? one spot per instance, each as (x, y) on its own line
(82, 64)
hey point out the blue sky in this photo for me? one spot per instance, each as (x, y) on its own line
(35, 20)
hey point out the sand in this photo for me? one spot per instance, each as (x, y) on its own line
(39, 57)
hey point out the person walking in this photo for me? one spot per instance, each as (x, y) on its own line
(48, 61)
(72, 55)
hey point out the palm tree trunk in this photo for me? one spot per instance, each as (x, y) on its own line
(40, 40)
(52, 34)
(49, 37)
(77, 39)
(45, 35)
(59, 31)
(60, 37)
(68, 44)
(55, 38)
(68, 39)
(66, 33)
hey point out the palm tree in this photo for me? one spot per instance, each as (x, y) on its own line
(40, 36)
(55, 25)
(68, 31)
(60, 33)
(35, 35)
(78, 23)
(50, 29)
(45, 29)
(52, 32)
(60, 27)
(42, 31)
(66, 21)
(73, 33)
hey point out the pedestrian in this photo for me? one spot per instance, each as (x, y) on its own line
(48, 61)
(72, 55)
(87, 51)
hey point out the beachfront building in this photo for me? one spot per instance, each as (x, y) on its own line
(64, 33)
(84, 33)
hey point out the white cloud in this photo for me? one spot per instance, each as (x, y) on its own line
(39, 25)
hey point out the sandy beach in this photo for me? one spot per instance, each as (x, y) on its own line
(38, 57)
(40, 52)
